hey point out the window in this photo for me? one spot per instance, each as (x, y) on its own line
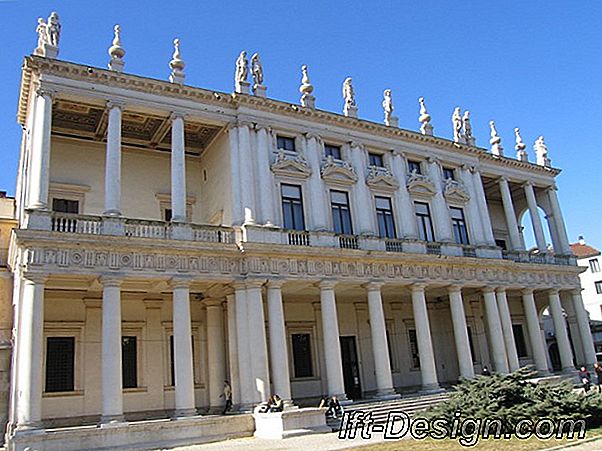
(302, 355)
(167, 214)
(285, 143)
(414, 166)
(448, 174)
(376, 159)
(459, 225)
(341, 216)
(60, 364)
(414, 349)
(425, 225)
(292, 207)
(65, 206)
(598, 287)
(501, 244)
(384, 216)
(332, 151)
(519, 339)
(129, 356)
(594, 266)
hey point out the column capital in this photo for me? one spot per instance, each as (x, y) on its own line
(35, 277)
(264, 127)
(111, 280)
(238, 285)
(356, 145)
(432, 160)
(274, 284)
(575, 291)
(115, 103)
(487, 290)
(213, 302)
(502, 179)
(418, 286)
(180, 282)
(500, 290)
(312, 135)
(527, 291)
(45, 91)
(398, 153)
(177, 115)
(373, 285)
(553, 292)
(243, 123)
(527, 184)
(454, 289)
(326, 284)
(255, 283)
(551, 188)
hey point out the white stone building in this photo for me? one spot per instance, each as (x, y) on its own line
(171, 237)
(591, 279)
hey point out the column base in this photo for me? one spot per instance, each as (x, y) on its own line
(29, 428)
(430, 389)
(216, 410)
(180, 414)
(386, 394)
(111, 420)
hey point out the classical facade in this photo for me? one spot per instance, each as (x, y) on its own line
(591, 278)
(171, 237)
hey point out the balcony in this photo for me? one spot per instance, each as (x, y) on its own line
(543, 259)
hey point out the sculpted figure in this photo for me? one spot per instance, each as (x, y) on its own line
(388, 105)
(348, 93)
(42, 30)
(457, 124)
(54, 29)
(242, 68)
(256, 70)
(468, 129)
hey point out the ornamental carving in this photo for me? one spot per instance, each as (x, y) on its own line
(338, 172)
(420, 184)
(381, 178)
(455, 192)
(289, 165)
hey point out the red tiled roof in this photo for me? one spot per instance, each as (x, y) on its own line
(583, 250)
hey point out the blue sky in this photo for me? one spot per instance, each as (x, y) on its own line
(536, 65)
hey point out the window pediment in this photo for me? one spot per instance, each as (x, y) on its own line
(291, 165)
(381, 178)
(338, 172)
(420, 184)
(456, 192)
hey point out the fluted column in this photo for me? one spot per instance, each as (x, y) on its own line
(465, 357)
(112, 395)
(233, 349)
(332, 346)
(39, 172)
(183, 362)
(428, 369)
(472, 207)
(535, 338)
(113, 160)
(589, 352)
(403, 201)
(317, 191)
(496, 336)
(558, 220)
(216, 354)
(506, 319)
(380, 346)
(535, 218)
(178, 169)
(245, 372)
(362, 197)
(265, 186)
(30, 352)
(245, 159)
(515, 240)
(483, 209)
(562, 336)
(278, 351)
(441, 217)
(257, 341)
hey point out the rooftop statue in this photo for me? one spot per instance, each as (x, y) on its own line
(42, 30)
(495, 141)
(49, 34)
(425, 119)
(350, 108)
(468, 136)
(306, 88)
(242, 73)
(457, 126)
(116, 52)
(177, 64)
(541, 151)
(521, 153)
(54, 29)
(257, 70)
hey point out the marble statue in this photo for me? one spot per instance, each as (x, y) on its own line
(177, 64)
(468, 136)
(457, 125)
(541, 151)
(256, 70)
(242, 73)
(521, 153)
(116, 51)
(42, 30)
(54, 29)
(350, 108)
(387, 105)
(495, 141)
(306, 89)
(49, 34)
(425, 119)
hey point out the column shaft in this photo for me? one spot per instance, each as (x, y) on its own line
(246, 173)
(112, 395)
(441, 217)
(278, 352)
(245, 372)
(558, 221)
(236, 191)
(506, 320)
(426, 354)
(317, 192)
(513, 233)
(113, 162)
(535, 218)
(39, 173)
(465, 357)
(562, 336)
(537, 344)
(361, 197)
(216, 356)
(233, 349)
(332, 346)
(183, 360)
(496, 337)
(472, 207)
(257, 343)
(265, 187)
(482, 203)
(403, 201)
(178, 169)
(589, 352)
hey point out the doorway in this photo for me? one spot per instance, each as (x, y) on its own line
(351, 368)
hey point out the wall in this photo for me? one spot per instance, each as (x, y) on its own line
(216, 195)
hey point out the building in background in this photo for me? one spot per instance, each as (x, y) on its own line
(591, 278)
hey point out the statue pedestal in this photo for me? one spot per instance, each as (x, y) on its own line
(308, 101)
(259, 90)
(242, 87)
(392, 122)
(50, 51)
(116, 64)
(350, 111)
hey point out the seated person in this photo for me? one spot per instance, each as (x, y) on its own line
(334, 407)
(277, 405)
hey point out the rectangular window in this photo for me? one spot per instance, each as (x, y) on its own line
(65, 206)
(129, 356)
(60, 364)
(292, 207)
(425, 224)
(594, 266)
(414, 166)
(341, 215)
(376, 159)
(459, 225)
(414, 349)
(302, 355)
(599, 287)
(448, 174)
(167, 214)
(332, 151)
(519, 339)
(285, 143)
(501, 244)
(384, 216)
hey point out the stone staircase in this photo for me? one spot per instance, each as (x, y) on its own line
(410, 404)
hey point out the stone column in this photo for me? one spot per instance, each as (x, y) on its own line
(153, 351)
(112, 384)
(233, 349)
(113, 161)
(537, 343)
(182, 343)
(472, 208)
(317, 191)
(332, 345)
(258, 342)
(265, 188)
(278, 352)
(506, 320)
(92, 350)
(465, 357)
(245, 372)
(515, 241)
(30, 348)
(216, 356)
(562, 336)
(178, 169)
(245, 158)
(482, 204)
(426, 354)
(236, 191)
(441, 217)
(403, 201)
(361, 196)
(535, 218)
(39, 172)
(558, 221)
(496, 336)
(589, 352)
(380, 346)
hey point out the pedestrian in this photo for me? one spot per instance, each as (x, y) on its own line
(227, 395)
(334, 407)
(277, 404)
(585, 378)
(598, 371)
(485, 371)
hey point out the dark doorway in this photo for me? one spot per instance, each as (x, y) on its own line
(351, 368)
(555, 357)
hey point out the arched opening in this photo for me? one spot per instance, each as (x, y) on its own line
(528, 232)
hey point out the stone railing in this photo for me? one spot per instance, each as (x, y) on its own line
(469, 251)
(70, 223)
(348, 242)
(297, 238)
(433, 248)
(393, 245)
(147, 229)
(214, 234)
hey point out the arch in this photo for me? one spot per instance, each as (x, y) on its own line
(527, 231)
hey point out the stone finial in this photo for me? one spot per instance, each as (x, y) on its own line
(350, 108)
(49, 35)
(457, 126)
(257, 72)
(468, 136)
(388, 108)
(495, 141)
(241, 84)
(177, 65)
(116, 52)
(521, 152)
(306, 88)
(425, 119)
(541, 151)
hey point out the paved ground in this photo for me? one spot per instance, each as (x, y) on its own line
(589, 445)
